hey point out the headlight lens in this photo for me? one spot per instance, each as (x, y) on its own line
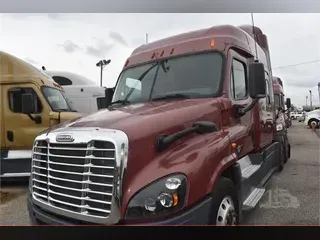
(164, 196)
(279, 127)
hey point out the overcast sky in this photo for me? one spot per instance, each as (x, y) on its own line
(75, 42)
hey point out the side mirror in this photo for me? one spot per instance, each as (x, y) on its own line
(288, 103)
(109, 95)
(257, 80)
(27, 103)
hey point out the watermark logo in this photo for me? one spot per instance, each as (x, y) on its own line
(280, 198)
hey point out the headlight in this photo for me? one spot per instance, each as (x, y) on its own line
(279, 127)
(164, 196)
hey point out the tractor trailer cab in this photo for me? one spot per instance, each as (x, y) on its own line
(83, 93)
(30, 103)
(282, 117)
(189, 138)
(280, 103)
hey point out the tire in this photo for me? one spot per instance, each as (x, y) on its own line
(283, 154)
(316, 121)
(225, 207)
(286, 151)
(281, 161)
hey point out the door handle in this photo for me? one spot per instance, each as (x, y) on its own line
(10, 136)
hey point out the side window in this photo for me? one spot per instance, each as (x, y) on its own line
(238, 80)
(15, 98)
(62, 81)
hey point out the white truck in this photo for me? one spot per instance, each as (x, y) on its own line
(312, 117)
(86, 96)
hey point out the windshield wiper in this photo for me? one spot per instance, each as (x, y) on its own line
(171, 96)
(123, 102)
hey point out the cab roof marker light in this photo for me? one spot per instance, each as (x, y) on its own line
(127, 62)
(153, 55)
(212, 43)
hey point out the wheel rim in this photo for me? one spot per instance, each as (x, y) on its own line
(313, 123)
(226, 213)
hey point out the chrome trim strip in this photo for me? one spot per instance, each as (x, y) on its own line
(15, 175)
(85, 136)
(19, 154)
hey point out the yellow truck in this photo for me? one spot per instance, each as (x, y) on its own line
(30, 102)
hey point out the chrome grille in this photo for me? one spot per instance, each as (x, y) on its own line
(75, 177)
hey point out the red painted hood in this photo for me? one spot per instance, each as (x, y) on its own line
(144, 119)
(143, 123)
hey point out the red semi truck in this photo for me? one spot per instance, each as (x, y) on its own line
(282, 117)
(280, 104)
(190, 138)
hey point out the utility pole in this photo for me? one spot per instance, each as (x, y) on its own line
(310, 100)
(101, 64)
(146, 38)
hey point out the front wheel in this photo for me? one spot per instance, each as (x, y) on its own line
(224, 204)
(313, 122)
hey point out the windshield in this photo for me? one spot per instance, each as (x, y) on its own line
(193, 76)
(57, 100)
(279, 101)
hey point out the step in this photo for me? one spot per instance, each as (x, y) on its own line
(250, 170)
(253, 198)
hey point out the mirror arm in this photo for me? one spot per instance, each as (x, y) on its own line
(35, 119)
(241, 111)
(31, 117)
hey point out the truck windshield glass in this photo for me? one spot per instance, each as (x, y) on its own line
(192, 76)
(277, 101)
(57, 100)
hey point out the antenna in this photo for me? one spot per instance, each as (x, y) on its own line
(254, 34)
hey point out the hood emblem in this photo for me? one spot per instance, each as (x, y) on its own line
(64, 138)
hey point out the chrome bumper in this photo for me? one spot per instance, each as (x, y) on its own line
(15, 163)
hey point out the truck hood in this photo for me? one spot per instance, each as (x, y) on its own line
(144, 122)
(143, 119)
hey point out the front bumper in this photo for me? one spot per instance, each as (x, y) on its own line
(197, 215)
(16, 163)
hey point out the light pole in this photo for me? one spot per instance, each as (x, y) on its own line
(101, 64)
(310, 100)
(306, 102)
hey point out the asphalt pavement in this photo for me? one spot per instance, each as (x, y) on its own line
(292, 197)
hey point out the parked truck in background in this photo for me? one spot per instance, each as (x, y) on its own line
(281, 116)
(83, 93)
(189, 138)
(30, 103)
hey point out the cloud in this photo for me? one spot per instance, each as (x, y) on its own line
(69, 46)
(100, 49)
(138, 41)
(118, 38)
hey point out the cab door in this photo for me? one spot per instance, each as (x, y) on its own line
(19, 129)
(241, 129)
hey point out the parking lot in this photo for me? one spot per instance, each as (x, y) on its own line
(293, 196)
